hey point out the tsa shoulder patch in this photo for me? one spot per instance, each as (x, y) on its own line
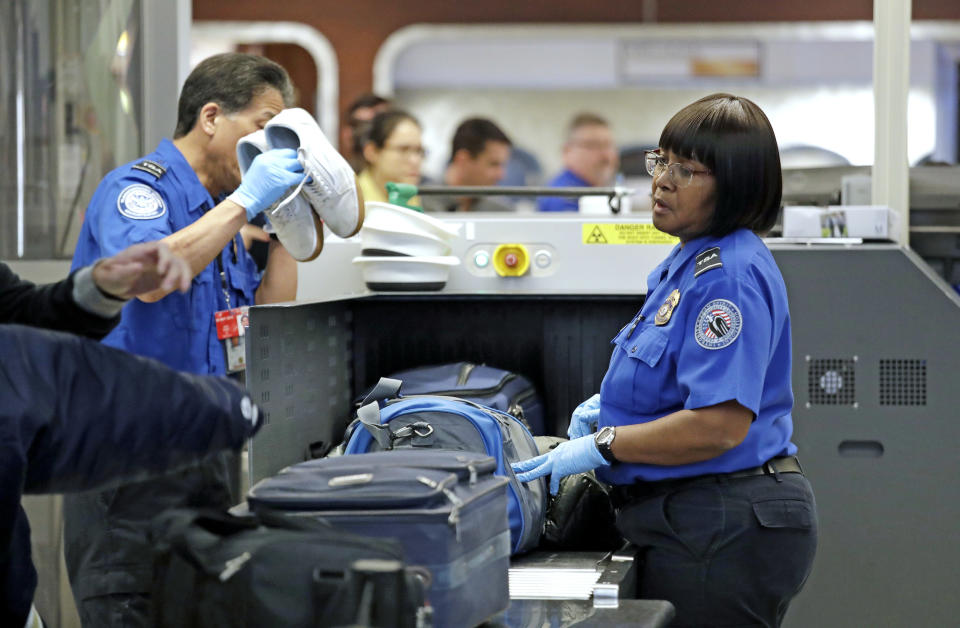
(140, 202)
(151, 167)
(718, 324)
(708, 260)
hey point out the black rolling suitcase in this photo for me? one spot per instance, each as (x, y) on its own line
(446, 508)
(216, 569)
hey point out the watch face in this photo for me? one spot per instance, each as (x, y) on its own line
(604, 440)
(605, 435)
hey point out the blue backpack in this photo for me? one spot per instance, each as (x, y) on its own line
(390, 421)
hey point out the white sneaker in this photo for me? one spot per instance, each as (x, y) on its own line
(297, 226)
(332, 184)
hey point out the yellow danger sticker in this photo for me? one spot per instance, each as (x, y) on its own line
(625, 233)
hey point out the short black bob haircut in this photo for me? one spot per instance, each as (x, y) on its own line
(232, 80)
(732, 137)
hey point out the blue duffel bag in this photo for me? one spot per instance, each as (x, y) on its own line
(487, 385)
(390, 421)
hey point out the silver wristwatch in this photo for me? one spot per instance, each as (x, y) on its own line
(604, 440)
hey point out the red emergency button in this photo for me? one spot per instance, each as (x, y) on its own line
(511, 260)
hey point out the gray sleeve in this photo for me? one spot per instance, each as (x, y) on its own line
(89, 297)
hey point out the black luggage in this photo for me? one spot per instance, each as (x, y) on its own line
(489, 386)
(215, 569)
(446, 508)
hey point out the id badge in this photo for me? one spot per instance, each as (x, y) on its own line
(231, 330)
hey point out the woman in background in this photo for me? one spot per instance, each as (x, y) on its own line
(393, 151)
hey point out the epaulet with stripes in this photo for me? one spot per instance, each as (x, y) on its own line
(152, 167)
(708, 260)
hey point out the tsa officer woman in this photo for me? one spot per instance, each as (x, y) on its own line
(694, 410)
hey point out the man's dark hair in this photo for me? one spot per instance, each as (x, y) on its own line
(585, 119)
(732, 137)
(363, 101)
(383, 125)
(232, 80)
(473, 135)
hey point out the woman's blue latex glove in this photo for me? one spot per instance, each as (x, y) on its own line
(584, 419)
(267, 179)
(574, 456)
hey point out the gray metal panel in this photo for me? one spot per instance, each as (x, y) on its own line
(166, 48)
(299, 363)
(931, 187)
(888, 546)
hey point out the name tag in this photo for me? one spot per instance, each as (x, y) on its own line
(231, 330)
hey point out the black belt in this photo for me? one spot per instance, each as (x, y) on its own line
(784, 464)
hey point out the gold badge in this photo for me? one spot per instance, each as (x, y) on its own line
(666, 310)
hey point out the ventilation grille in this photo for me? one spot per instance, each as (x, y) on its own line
(832, 382)
(903, 382)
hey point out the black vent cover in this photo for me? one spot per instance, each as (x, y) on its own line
(903, 382)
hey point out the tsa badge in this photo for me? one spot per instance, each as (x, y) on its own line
(666, 310)
(718, 324)
(140, 202)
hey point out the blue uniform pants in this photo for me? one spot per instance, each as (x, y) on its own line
(725, 551)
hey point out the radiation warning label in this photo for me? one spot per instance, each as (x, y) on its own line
(625, 233)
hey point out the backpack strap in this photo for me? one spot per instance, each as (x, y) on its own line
(369, 411)
(369, 415)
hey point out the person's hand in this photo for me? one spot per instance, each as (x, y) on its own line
(574, 456)
(142, 268)
(270, 175)
(585, 417)
(253, 233)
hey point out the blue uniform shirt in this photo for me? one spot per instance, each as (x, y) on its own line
(727, 337)
(565, 179)
(146, 200)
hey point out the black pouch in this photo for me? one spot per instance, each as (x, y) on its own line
(581, 515)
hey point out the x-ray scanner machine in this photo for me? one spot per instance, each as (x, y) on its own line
(875, 354)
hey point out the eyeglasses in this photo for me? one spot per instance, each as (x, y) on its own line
(680, 175)
(408, 151)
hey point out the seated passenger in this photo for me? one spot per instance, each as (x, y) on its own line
(478, 156)
(356, 126)
(589, 160)
(393, 152)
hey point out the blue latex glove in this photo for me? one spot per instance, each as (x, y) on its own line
(574, 456)
(585, 417)
(267, 179)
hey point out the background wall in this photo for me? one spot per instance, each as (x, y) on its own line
(358, 28)
(536, 122)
